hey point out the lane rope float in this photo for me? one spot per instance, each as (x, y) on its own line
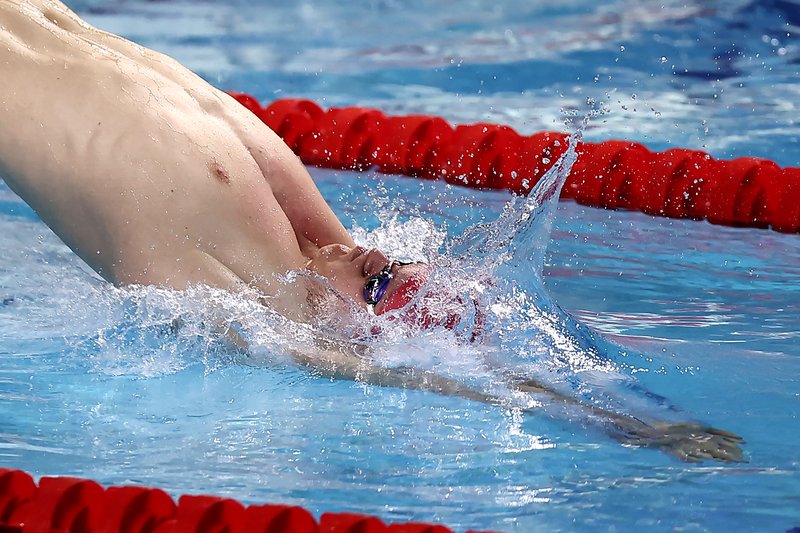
(614, 174)
(69, 504)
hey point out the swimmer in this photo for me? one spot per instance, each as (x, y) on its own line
(153, 176)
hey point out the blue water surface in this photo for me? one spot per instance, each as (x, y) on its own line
(94, 383)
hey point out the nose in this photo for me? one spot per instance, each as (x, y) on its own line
(375, 262)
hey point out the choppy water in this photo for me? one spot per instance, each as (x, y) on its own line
(128, 386)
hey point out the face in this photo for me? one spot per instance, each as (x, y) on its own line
(347, 269)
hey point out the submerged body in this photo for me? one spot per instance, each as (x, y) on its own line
(152, 176)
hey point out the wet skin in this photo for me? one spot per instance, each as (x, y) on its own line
(153, 176)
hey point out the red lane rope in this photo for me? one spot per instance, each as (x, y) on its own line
(677, 183)
(69, 505)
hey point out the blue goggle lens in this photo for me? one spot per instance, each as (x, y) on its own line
(375, 286)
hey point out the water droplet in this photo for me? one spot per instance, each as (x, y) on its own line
(663, 59)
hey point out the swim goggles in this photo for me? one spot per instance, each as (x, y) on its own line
(375, 286)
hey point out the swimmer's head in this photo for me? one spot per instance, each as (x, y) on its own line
(372, 281)
(368, 277)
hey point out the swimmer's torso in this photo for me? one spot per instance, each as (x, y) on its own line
(148, 173)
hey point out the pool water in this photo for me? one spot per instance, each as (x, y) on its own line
(96, 382)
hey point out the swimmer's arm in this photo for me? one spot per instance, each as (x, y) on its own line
(345, 362)
(688, 441)
(314, 222)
